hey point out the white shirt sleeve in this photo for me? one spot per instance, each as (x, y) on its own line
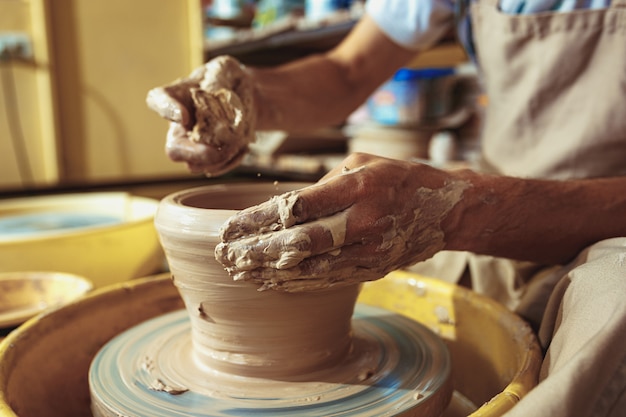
(414, 24)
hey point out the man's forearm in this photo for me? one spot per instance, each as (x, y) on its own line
(536, 220)
(322, 90)
(290, 98)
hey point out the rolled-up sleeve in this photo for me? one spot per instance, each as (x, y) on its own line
(414, 24)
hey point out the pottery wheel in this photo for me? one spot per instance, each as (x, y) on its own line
(396, 367)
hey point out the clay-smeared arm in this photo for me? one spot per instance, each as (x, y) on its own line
(543, 221)
(360, 223)
(322, 90)
(216, 110)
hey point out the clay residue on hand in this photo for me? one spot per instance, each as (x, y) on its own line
(221, 114)
(420, 238)
(278, 255)
(288, 247)
(288, 250)
(272, 215)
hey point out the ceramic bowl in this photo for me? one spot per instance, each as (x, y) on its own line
(106, 237)
(25, 294)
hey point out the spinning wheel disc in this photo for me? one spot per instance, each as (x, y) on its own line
(397, 367)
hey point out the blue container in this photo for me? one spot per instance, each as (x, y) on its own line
(319, 9)
(411, 96)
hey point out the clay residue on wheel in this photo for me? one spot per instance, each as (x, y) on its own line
(219, 98)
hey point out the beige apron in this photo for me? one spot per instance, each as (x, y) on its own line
(556, 84)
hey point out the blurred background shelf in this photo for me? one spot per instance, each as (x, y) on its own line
(80, 99)
(277, 45)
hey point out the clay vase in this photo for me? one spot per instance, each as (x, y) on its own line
(236, 328)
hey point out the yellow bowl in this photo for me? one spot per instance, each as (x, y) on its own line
(45, 362)
(495, 355)
(25, 294)
(105, 237)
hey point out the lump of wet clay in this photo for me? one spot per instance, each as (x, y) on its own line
(218, 98)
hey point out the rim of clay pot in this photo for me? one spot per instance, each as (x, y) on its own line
(185, 205)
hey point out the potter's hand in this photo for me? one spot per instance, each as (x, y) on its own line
(212, 114)
(364, 219)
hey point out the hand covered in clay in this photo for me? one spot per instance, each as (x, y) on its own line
(212, 114)
(365, 218)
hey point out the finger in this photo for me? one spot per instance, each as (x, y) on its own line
(295, 207)
(201, 157)
(168, 106)
(352, 264)
(212, 170)
(331, 195)
(314, 283)
(272, 215)
(283, 251)
(284, 248)
(180, 148)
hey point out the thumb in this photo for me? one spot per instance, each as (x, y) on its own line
(165, 102)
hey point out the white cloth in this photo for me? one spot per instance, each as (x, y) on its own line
(421, 24)
(413, 24)
(586, 312)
